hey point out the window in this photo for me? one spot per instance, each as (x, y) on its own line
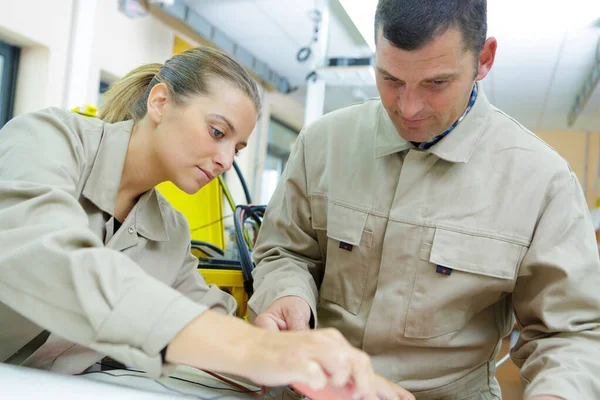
(101, 90)
(280, 140)
(9, 61)
(106, 79)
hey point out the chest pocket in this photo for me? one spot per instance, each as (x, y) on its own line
(459, 275)
(348, 251)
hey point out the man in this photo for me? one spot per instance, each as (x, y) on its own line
(420, 224)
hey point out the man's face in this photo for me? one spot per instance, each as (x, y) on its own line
(425, 91)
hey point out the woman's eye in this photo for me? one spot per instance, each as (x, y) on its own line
(217, 133)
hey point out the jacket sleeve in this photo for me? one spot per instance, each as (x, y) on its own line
(557, 302)
(56, 272)
(287, 254)
(193, 285)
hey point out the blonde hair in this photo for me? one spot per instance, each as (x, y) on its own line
(186, 74)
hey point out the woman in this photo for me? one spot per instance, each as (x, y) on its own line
(92, 253)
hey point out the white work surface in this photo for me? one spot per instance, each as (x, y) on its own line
(25, 383)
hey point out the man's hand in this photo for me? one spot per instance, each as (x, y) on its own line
(289, 313)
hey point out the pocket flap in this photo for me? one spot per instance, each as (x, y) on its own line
(345, 224)
(475, 254)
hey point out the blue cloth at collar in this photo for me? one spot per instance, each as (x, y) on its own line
(430, 143)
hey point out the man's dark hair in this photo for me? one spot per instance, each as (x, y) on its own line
(411, 24)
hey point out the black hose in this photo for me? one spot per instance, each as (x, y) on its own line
(243, 182)
(245, 253)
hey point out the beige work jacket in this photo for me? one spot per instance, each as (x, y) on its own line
(422, 258)
(63, 269)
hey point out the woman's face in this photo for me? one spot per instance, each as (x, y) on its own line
(196, 141)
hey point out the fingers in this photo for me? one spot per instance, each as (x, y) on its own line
(345, 365)
(290, 313)
(335, 354)
(343, 373)
(363, 376)
(266, 322)
(316, 377)
(296, 322)
(403, 394)
(387, 390)
(319, 359)
(296, 314)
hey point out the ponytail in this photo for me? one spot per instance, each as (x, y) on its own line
(185, 75)
(126, 98)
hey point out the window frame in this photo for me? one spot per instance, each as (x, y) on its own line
(8, 85)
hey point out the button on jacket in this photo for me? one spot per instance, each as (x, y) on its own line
(124, 294)
(424, 258)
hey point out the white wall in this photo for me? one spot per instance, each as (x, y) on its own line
(122, 43)
(41, 29)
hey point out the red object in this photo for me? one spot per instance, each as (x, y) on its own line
(328, 393)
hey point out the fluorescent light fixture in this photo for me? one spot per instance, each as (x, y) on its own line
(362, 14)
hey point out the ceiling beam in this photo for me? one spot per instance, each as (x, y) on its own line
(185, 20)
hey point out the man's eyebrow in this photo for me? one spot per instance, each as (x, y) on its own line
(442, 77)
(384, 72)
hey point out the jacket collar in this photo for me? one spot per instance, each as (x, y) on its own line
(103, 183)
(387, 139)
(458, 146)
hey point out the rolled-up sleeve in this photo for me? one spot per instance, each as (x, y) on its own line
(56, 272)
(287, 254)
(557, 302)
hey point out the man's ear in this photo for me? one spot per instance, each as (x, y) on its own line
(157, 99)
(486, 58)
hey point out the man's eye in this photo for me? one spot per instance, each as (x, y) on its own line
(439, 83)
(217, 133)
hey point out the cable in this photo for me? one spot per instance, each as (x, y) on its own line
(255, 393)
(242, 213)
(238, 388)
(198, 243)
(243, 182)
(247, 391)
(211, 223)
(154, 380)
(227, 193)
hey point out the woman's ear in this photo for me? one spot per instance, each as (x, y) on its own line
(157, 99)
